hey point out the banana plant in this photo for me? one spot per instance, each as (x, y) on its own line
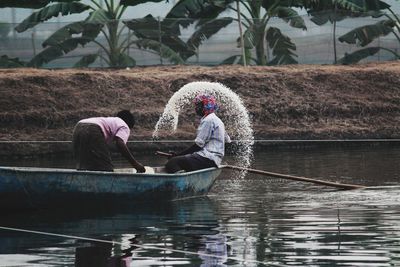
(152, 34)
(256, 16)
(101, 20)
(7, 62)
(334, 11)
(164, 37)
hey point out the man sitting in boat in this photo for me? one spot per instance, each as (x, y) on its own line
(92, 137)
(209, 147)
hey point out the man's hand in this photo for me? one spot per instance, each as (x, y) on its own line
(127, 154)
(172, 154)
(140, 168)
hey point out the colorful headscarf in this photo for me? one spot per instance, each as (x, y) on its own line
(208, 101)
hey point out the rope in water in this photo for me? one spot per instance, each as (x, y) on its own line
(255, 140)
(138, 246)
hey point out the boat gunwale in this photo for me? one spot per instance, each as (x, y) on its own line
(85, 172)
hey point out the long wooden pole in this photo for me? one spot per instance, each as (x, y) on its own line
(295, 178)
(163, 154)
(283, 176)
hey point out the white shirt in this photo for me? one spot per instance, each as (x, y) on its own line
(211, 138)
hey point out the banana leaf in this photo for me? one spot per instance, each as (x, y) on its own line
(45, 56)
(326, 11)
(231, 60)
(34, 4)
(49, 12)
(350, 5)
(166, 52)
(358, 55)
(237, 59)
(89, 32)
(282, 47)
(250, 38)
(138, 2)
(7, 62)
(148, 28)
(72, 43)
(290, 16)
(99, 16)
(272, 4)
(366, 34)
(85, 61)
(322, 17)
(187, 11)
(125, 61)
(54, 52)
(362, 5)
(206, 30)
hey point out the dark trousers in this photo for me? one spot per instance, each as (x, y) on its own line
(190, 162)
(90, 149)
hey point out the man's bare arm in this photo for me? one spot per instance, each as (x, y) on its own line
(124, 150)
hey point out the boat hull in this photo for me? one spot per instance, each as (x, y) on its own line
(44, 187)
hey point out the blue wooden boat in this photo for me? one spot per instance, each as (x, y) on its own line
(27, 187)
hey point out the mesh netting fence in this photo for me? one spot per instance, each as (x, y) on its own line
(315, 45)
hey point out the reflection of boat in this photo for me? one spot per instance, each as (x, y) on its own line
(38, 187)
(168, 225)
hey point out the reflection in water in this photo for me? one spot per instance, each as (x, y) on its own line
(214, 245)
(99, 255)
(313, 227)
(138, 235)
(275, 221)
(369, 164)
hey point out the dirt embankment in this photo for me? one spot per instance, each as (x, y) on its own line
(291, 102)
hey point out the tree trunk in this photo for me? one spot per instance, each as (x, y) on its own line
(241, 33)
(260, 45)
(113, 43)
(260, 53)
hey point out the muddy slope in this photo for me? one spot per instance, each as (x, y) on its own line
(292, 102)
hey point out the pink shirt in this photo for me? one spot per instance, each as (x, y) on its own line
(111, 127)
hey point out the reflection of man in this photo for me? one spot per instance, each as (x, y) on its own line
(215, 245)
(93, 255)
(209, 147)
(100, 255)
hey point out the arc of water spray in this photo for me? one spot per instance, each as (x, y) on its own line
(233, 113)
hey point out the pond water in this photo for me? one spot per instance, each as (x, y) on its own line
(255, 221)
